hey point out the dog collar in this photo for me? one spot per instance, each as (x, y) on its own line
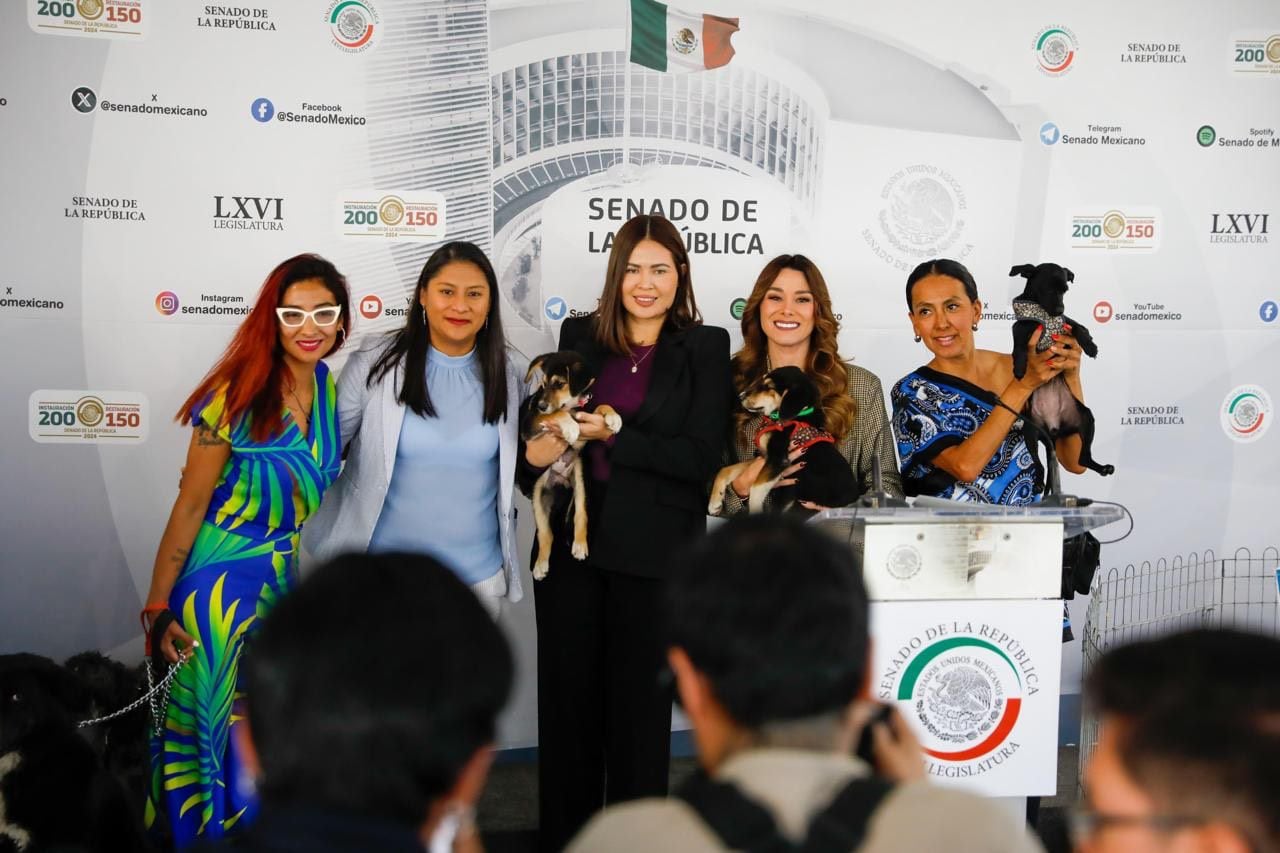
(807, 410)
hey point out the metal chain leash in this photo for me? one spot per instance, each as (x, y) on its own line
(159, 707)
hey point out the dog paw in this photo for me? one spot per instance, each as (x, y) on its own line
(614, 422)
(714, 507)
(579, 550)
(540, 570)
(569, 431)
(1107, 470)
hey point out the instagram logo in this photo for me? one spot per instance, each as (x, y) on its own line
(167, 302)
(370, 307)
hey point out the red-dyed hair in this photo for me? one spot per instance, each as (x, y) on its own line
(252, 368)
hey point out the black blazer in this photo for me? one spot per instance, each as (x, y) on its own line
(663, 460)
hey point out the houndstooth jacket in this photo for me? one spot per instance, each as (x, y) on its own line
(869, 435)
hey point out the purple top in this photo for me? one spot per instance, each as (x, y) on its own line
(625, 391)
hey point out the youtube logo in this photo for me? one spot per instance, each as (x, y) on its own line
(1102, 312)
(370, 307)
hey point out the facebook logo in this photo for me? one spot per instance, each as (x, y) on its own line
(262, 109)
(555, 308)
(1049, 133)
(1267, 311)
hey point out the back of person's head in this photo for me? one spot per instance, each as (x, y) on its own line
(1195, 722)
(372, 685)
(773, 613)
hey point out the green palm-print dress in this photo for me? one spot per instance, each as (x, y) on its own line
(243, 559)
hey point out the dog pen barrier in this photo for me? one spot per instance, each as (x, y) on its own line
(1153, 599)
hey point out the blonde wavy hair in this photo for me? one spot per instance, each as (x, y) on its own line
(825, 366)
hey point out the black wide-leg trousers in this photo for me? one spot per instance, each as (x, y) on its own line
(604, 718)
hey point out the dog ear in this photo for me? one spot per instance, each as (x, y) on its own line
(535, 367)
(1069, 274)
(1024, 270)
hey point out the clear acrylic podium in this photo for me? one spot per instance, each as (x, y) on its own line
(966, 628)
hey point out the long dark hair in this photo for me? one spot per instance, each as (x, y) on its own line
(412, 343)
(611, 316)
(823, 365)
(252, 368)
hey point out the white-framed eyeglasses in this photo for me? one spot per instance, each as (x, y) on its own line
(326, 315)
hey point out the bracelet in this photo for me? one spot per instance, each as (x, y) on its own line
(1002, 404)
(151, 609)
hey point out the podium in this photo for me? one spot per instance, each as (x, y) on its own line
(966, 631)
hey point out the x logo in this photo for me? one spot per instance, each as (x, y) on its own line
(8, 291)
(153, 99)
(83, 99)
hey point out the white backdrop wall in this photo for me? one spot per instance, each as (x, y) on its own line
(1140, 150)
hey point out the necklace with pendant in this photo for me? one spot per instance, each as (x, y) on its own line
(636, 362)
(302, 410)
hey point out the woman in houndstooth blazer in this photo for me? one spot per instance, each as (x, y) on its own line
(788, 321)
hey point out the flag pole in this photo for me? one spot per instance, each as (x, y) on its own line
(626, 93)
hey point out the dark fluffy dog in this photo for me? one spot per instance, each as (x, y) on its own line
(121, 743)
(1054, 409)
(54, 792)
(788, 401)
(563, 386)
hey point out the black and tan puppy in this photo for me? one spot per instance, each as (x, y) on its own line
(1055, 410)
(562, 385)
(792, 419)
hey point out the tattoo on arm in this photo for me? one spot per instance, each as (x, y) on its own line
(206, 437)
(179, 556)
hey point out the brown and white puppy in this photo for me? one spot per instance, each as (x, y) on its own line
(563, 386)
(788, 403)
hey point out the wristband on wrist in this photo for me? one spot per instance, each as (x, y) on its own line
(151, 610)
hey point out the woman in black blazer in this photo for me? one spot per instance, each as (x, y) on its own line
(604, 720)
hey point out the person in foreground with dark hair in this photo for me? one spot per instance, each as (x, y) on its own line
(767, 623)
(373, 732)
(1188, 752)
(429, 417)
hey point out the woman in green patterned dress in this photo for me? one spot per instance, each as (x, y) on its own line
(264, 449)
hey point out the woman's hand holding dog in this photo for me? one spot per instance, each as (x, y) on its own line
(545, 449)
(1067, 353)
(592, 427)
(742, 483)
(1062, 357)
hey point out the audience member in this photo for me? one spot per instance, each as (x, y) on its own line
(767, 625)
(372, 694)
(1188, 752)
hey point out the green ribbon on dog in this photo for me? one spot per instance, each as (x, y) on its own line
(807, 410)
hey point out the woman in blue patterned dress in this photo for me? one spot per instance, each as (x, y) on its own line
(264, 448)
(955, 419)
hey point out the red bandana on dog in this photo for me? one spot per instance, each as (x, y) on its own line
(804, 436)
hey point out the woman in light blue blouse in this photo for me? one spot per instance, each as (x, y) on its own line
(431, 416)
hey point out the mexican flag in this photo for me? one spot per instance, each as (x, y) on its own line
(665, 38)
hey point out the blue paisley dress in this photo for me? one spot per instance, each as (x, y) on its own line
(243, 560)
(933, 411)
